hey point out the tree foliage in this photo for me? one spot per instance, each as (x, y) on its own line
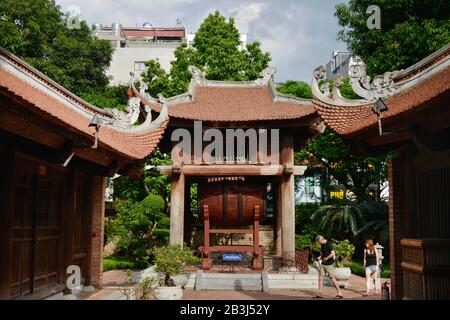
(354, 219)
(216, 51)
(356, 174)
(36, 31)
(410, 30)
(109, 97)
(139, 226)
(299, 89)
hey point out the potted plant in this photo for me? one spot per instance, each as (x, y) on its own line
(171, 262)
(344, 250)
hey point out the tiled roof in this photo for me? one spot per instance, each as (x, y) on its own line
(153, 33)
(349, 120)
(74, 113)
(237, 103)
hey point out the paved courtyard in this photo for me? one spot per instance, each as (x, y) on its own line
(114, 278)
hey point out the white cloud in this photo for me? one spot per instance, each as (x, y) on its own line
(248, 13)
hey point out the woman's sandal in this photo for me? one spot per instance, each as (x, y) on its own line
(316, 296)
(339, 297)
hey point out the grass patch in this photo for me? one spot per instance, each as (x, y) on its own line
(357, 268)
(119, 262)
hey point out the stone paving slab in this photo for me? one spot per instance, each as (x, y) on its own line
(116, 277)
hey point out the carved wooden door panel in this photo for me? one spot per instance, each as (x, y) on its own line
(36, 234)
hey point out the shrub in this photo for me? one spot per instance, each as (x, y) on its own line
(172, 260)
(344, 250)
(139, 226)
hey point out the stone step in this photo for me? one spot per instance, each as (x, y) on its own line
(234, 276)
(232, 288)
(233, 281)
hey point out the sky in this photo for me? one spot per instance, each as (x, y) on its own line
(299, 34)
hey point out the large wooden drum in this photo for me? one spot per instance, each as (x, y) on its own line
(231, 203)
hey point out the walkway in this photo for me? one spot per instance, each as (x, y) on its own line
(114, 278)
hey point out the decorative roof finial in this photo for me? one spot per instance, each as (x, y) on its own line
(339, 81)
(197, 75)
(161, 98)
(266, 75)
(319, 72)
(381, 87)
(124, 120)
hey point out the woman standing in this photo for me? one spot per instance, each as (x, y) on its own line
(371, 263)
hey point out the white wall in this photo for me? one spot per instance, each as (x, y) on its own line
(123, 60)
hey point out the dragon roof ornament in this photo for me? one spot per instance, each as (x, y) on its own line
(381, 87)
(126, 120)
(266, 75)
(199, 78)
(198, 75)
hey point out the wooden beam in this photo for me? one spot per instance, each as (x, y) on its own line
(236, 231)
(388, 138)
(224, 170)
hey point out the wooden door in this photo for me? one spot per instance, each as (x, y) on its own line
(36, 234)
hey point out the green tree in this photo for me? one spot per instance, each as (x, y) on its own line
(410, 30)
(355, 173)
(138, 226)
(109, 97)
(329, 155)
(299, 89)
(36, 31)
(216, 51)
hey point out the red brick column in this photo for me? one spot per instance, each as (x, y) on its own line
(98, 215)
(396, 206)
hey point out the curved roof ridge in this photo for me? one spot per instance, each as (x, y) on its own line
(427, 79)
(225, 101)
(56, 102)
(15, 61)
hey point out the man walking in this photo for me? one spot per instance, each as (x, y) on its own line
(326, 261)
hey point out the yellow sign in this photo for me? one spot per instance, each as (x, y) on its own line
(337, 194)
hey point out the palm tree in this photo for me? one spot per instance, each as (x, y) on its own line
(354, 218)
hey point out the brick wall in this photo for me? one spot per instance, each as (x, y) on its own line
(98, 214)
(396, 205)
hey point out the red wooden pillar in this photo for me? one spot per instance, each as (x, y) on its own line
(206, 250)
(96, 231)
(396, 206)
(257, 251)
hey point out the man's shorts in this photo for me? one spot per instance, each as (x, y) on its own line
(326, 270)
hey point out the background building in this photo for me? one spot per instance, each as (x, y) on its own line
(135, 45)
(190, 40)
(339, 64)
